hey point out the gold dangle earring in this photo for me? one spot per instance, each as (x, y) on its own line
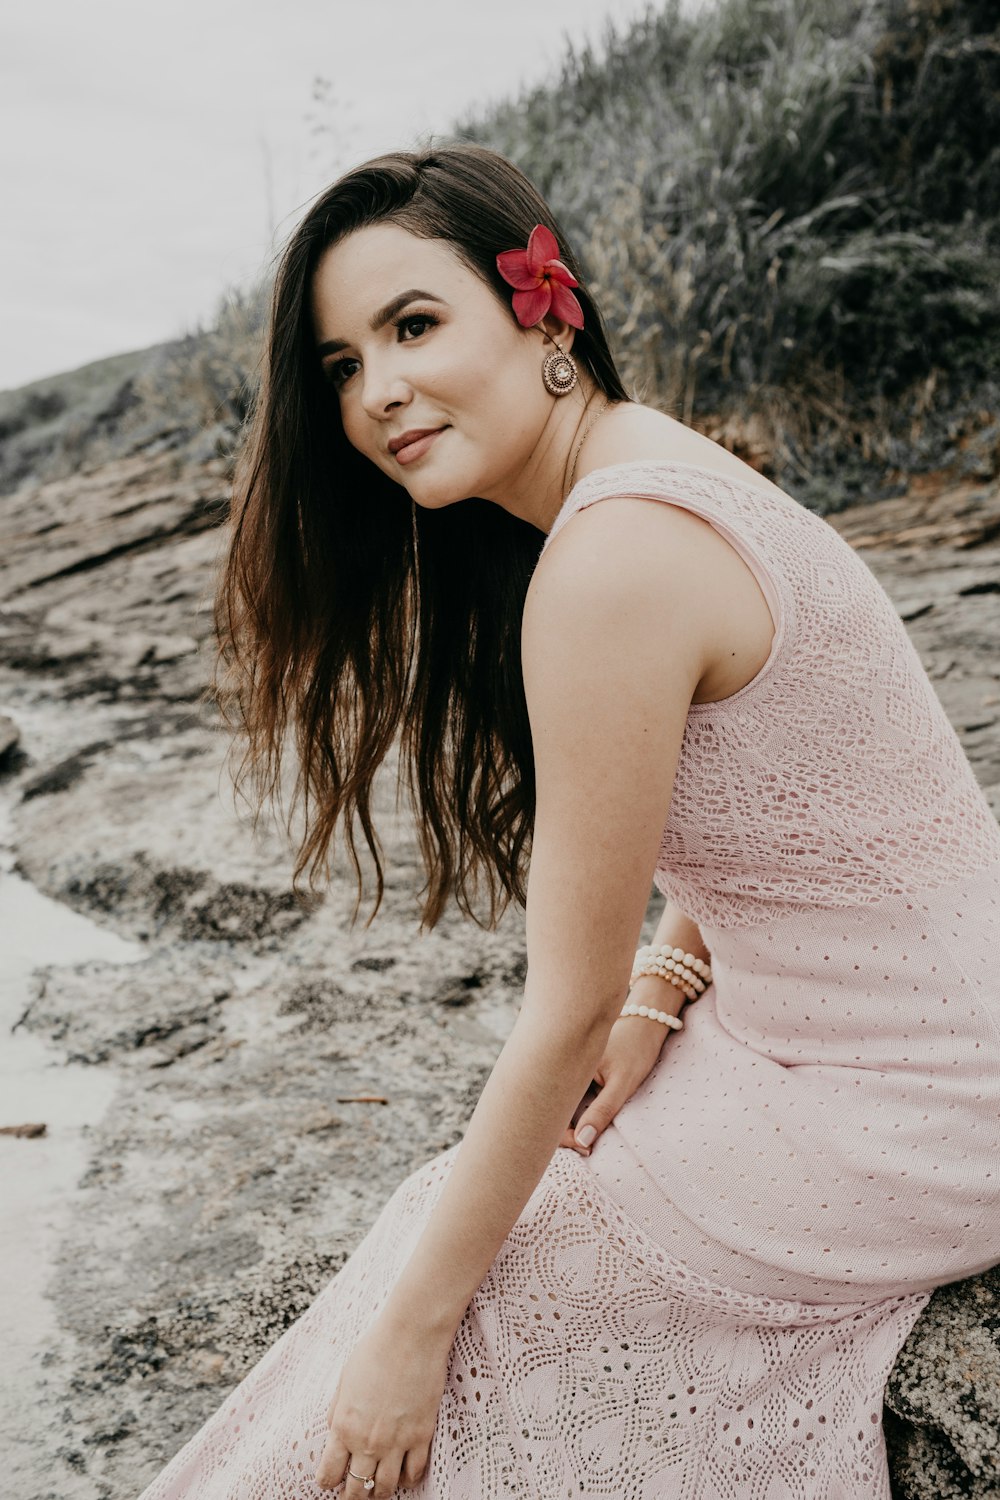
(559, 372)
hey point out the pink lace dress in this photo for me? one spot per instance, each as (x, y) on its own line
(709, 1305)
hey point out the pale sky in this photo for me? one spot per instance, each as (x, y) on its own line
(150, 155)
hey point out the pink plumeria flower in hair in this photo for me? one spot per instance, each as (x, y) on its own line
(541, 279)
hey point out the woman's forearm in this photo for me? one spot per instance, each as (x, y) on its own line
(539, 1079)
(680, 932)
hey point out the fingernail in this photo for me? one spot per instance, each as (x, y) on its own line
(586, 1135)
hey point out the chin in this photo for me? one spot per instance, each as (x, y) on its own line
(434, 491)
(437, 499)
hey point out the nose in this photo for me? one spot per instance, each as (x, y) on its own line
(384, 390)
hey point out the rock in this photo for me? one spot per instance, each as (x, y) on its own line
(142, 650)
(912, 609)
(10, 737)
(130, 506)
(932, 513)
(944, 1396)
(225, 1185)
(320, 1120)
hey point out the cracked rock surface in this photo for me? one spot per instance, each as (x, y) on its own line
(276, 1074)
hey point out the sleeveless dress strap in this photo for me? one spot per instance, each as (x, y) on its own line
(729, 505)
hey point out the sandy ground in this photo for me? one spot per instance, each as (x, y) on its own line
(195, 1039)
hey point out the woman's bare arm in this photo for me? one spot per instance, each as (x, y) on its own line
(680, 932)
(611, 658)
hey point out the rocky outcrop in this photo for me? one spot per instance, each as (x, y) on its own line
(936, 550)
(943, 1396)
(9, 737)
(278, 1072)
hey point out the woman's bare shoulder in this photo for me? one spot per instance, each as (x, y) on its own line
(664, 564)
(648, 571)
(632, 433)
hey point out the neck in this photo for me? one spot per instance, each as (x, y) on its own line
(536, 493)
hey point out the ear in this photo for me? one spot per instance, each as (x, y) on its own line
(559, 332)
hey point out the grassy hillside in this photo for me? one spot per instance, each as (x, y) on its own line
(791, 213)
(789, 209)
(64, 414)
(190, 394)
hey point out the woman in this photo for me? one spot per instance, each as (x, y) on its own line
(703, 1293)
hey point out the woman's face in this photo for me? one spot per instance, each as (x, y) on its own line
(413, 342)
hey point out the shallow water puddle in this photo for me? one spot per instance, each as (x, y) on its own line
(39, 1175)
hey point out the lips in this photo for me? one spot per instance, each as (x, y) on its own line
(413, 443)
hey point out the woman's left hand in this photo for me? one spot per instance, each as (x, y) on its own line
(633, 1048)
(384, 1410)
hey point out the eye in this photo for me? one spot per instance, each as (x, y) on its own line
(339, 371)
(415, 324)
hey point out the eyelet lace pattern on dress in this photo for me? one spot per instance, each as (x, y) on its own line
(707, 1308)
(588, 1364)
(833, 779)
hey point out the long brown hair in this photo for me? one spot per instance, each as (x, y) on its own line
(345, 614)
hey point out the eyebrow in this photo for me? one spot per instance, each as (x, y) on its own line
(381, 318)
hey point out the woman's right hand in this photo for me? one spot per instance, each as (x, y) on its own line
(634, 1044)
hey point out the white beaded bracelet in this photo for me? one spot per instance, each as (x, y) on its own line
(674, 1022)
(665, 951)
(688, 973)
(686, 986)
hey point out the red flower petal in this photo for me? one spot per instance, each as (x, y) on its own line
(513, 267)
(542, 246)
(565, 305)
(559, 272)
(530, 307)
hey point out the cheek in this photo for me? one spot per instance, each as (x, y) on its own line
(357, 426)
(494, 389)
(472, 369)
(360, 434)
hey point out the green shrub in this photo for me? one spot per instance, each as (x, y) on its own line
(788, 209)
(206, 380)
